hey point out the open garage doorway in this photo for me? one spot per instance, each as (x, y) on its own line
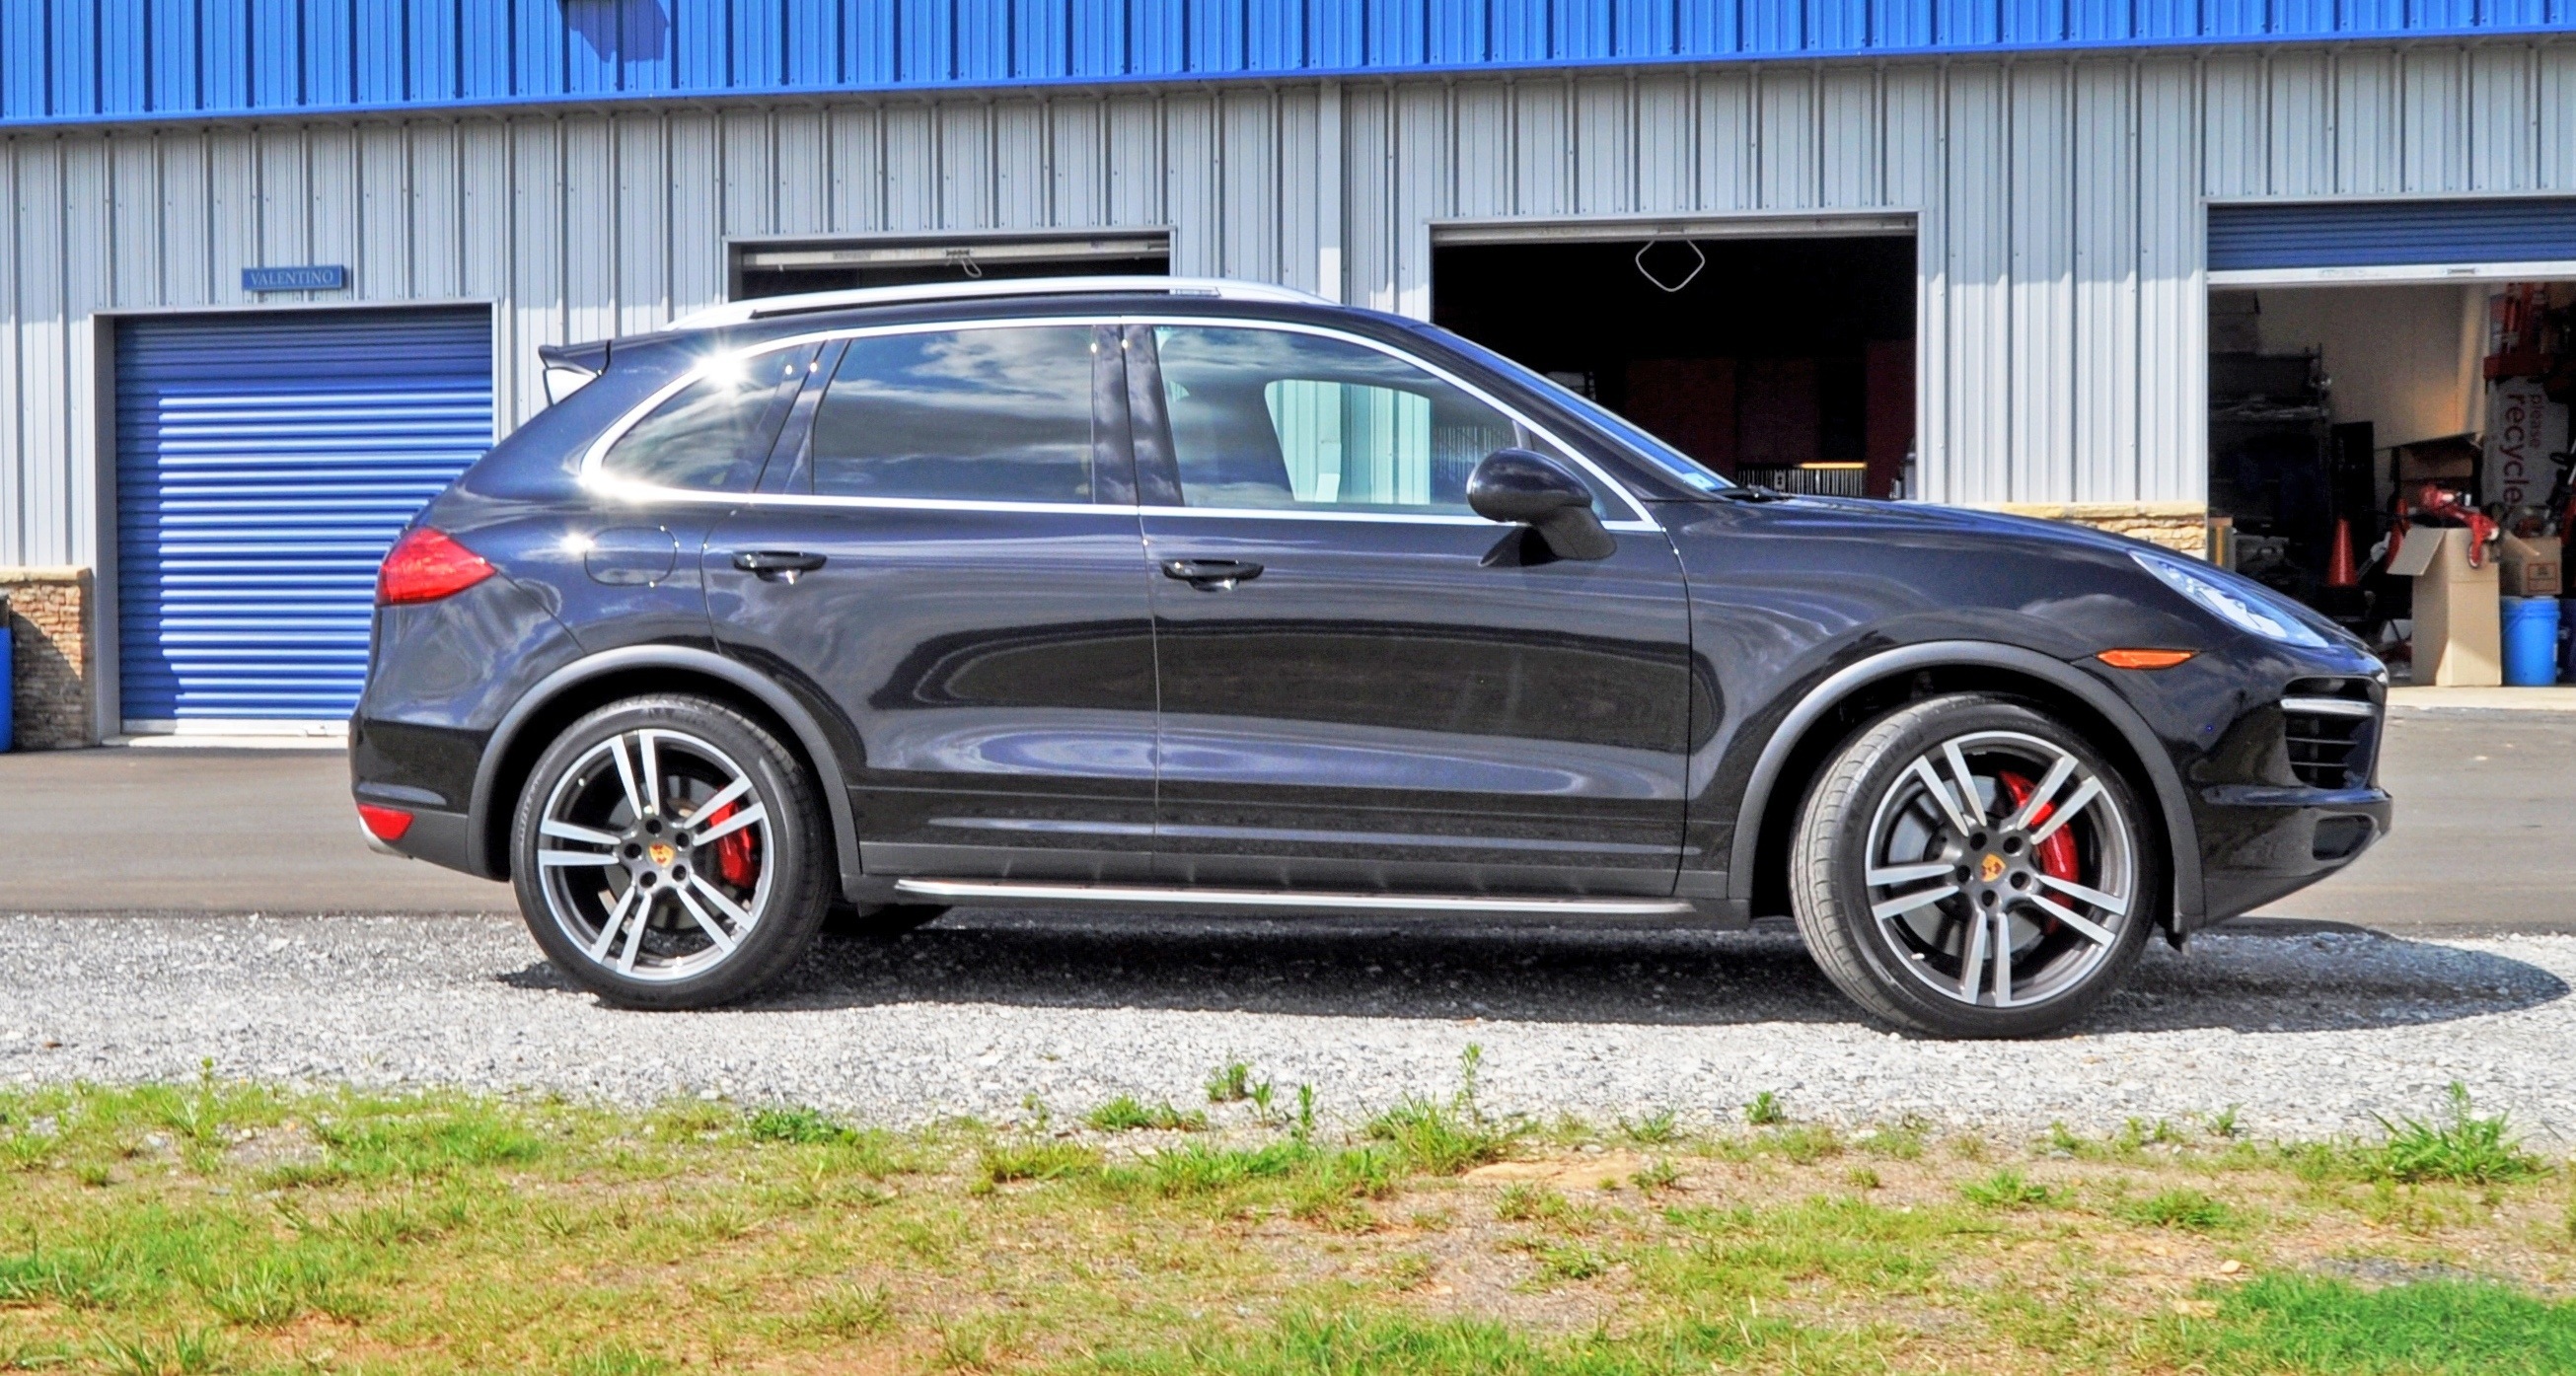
(2342, 414)
(1786, 361)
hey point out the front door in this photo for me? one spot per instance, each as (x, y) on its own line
(950, 555)
(1352, 699)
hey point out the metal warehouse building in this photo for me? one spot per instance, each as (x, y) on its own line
(274, 270)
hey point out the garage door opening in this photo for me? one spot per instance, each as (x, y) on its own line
(780, 269)
(2342, 413)
(1786, 361)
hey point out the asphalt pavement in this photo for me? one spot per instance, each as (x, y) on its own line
(2485, 840)
(200, 830)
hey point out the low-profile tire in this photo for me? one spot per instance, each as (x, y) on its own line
(669, 852)
(1906, 885)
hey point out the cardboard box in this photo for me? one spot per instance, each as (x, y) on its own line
(2530, 566)
(2458, 635)
(2453, 458)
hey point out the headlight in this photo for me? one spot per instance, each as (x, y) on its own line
(2251, 613)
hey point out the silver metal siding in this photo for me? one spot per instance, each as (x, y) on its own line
(2058, 202)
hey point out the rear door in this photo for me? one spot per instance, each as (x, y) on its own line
(949, 553)
(1353, 699)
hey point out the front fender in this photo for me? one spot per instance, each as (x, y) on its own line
(2172, 801)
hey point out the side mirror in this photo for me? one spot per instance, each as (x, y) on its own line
(1522, 488)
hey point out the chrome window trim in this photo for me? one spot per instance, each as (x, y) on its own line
(654, 492)
(590, 475)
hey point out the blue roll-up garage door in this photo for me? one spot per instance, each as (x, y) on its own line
(265, 462)
(2346, 234)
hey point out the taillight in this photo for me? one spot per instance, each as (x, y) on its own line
(426, 565)
(386, 823)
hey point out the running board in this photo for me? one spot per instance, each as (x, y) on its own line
(955, 890)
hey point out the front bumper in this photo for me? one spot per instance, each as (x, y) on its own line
(2259, 843)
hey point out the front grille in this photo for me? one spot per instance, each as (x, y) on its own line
(2327, 726)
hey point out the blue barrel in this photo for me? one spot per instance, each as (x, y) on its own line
(2530, 641)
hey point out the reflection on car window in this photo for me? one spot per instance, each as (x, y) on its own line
(706, 436)
(979, 415)
(1691, 472)
(1274, 419)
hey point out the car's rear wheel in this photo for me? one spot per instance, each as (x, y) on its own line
(669, 852)
(1970, 866)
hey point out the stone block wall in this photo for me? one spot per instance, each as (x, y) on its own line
(2182, 527)
(52, 656)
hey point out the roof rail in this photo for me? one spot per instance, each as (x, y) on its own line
(762, 307)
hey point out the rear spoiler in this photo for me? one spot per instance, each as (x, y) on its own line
(570, 366)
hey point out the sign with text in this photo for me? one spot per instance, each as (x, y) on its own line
(311, 277)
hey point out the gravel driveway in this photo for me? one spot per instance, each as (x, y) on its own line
(2310, 1034)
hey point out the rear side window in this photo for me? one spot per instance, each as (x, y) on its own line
(999, 415)
(710, 435)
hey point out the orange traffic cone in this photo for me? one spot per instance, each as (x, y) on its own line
(2339, 570)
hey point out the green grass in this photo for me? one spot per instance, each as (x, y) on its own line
(2005, 1189)
(1656, 1129)
(1442, 1139)
(2184, 1208)
(1125, 1114)
(803, 1127)
(1230, 1083)
(1355, 1342)
(1010, 1162)
(253, 1231)
(2460, 1146)
(2430, 1328)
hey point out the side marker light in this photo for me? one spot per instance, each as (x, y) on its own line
(2144, 659)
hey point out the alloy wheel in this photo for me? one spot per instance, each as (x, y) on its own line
(2000, 870)
(655, 854)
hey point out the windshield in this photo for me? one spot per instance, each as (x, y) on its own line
(1682, 466)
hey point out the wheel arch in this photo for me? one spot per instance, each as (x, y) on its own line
(594, 681)
(1757, 868)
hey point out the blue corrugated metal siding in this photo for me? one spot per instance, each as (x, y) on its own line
(2392, 233)
(264, 464)
(106, 59)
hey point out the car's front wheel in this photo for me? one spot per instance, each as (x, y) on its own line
(669, 852)
(1970, 866)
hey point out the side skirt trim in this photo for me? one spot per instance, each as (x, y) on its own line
(962, 890)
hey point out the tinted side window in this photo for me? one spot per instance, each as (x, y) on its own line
(985, 415)
(1270, 418)
(710, 434)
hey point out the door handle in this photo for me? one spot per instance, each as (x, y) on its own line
(777, 565)
(1211, 575)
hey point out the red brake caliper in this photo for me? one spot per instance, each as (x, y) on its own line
(734, 854)
(2057, 853)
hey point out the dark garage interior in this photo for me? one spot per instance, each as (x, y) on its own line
(1787, 361)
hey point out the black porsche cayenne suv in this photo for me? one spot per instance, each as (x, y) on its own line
(1163, 594)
